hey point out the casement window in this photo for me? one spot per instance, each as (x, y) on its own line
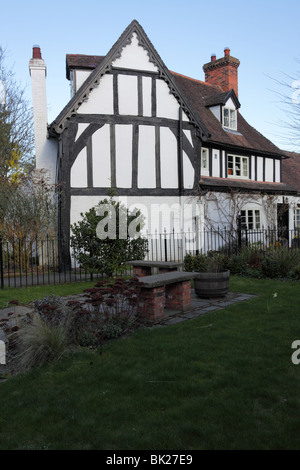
(297, 218)
(251, 219)
(229, 118)
(204, 159)
(237, 167)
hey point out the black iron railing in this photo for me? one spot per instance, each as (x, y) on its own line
(38, 261)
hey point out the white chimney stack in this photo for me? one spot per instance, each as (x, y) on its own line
(37, 70)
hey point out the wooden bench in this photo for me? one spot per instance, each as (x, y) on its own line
(146, 268)
(170, 290)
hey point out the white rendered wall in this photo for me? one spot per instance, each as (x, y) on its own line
(168, 158)
(47, 160)
(147, 96)
(124, 156)
(135, 57)
(80, 77)
(128, 95)
(252, 163)
(167, 106)
(146, 157)
(215, 163)
(101, 157)
(260, 169)
(277, 171)
(100, 100)
(79, 171)
(188, 172)
(269, 169)
(230, 104)
(81, 129)
(45, 150)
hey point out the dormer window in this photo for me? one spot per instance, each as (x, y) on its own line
(229, 118)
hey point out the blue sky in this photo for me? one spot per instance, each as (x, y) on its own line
(263, 34)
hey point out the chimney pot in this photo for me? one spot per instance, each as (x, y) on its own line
(213, 57)
(227, 51)
(36, 52)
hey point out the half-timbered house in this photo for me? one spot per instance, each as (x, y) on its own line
(176, 147)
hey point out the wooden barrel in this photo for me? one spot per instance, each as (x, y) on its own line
(212, 285)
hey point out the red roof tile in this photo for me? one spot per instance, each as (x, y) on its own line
(291, 169)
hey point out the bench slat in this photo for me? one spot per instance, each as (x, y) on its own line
(157, 280)
(156, 264)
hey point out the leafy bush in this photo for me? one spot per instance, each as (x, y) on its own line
(236, 264)
(110, 253)
(270, 267)
(253, 256)
(282, 260)
(251, 261)
(211, 262)
(296, 272)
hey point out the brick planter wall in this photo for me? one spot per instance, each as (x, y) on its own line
(151, 303)
(178, 296)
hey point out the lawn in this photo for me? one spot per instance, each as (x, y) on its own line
(222, 381)
(28, 294)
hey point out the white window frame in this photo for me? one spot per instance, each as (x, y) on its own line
(230, 121)
(205, 159)
(251, 218)
(297, 218)
(238, 166)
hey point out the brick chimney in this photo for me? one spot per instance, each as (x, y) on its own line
(223, 72)
(37, 70)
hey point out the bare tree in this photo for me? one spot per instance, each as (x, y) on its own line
(222, 210)
(16, 125)
(289, 102)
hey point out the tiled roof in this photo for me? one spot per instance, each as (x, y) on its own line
(228, 184)
(81, 61)
(199, 94)
(291, 170)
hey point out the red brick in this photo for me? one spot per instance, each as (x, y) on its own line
(178, 296)
(139, 271)
(151, 303)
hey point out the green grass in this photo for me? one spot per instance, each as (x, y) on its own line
(222, 381)
(28, 294)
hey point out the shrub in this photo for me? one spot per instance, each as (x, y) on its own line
(270, 267)
(109, 254)
(283, 261)
(236, 264)
(211, 262)
(40, 343)
(296, 241)
(296, 272)
(189, 262)
(253, 256)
